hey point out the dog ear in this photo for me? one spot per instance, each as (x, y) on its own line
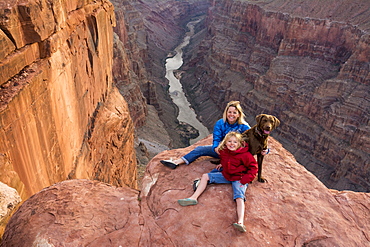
(259, 117)
(276, 122)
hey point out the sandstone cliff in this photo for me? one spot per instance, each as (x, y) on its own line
(60, 115)
(305, 62)
(293, 209)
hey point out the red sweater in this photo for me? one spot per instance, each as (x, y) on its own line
(238, 165)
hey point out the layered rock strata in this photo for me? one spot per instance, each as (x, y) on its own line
(60, 115)
(304, 62)
(128, 68)
(293, 209)
(154, 29)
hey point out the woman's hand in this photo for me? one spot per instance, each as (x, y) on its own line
(216, 150)
(218, 167)
(265, 151)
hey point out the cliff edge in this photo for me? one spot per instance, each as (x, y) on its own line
(293, 209)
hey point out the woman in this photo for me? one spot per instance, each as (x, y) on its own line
(232, 120)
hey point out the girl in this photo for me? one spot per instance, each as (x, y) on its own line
(232, 120)
(238, 168)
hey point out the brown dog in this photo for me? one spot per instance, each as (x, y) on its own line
(256, 137)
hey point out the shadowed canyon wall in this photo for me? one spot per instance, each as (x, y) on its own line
(154, 29)
(61, 117)
(304, 62)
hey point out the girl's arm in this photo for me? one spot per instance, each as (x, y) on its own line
(252, 168)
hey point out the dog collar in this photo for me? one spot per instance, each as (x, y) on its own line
(260, 133)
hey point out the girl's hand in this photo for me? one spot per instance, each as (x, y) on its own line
(218, 167)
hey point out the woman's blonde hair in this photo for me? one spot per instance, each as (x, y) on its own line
(235, 104)
(237, 135)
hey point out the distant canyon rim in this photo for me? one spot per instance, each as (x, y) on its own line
(303, 62)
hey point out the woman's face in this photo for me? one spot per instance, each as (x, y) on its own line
(232, 115)
(232, 143)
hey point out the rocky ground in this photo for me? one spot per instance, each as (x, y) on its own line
(153, 138)
(292, 209)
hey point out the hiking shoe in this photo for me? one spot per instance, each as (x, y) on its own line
(187, 202)
(195, 184)
(240, 227)
(169, 163)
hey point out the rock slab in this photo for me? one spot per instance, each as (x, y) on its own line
(292, 209)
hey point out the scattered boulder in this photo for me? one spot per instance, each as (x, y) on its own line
(9, 200)
(76, 213)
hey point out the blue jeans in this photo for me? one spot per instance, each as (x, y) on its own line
(198, 152)
(238, 188)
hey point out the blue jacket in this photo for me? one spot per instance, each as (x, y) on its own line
(222, 128)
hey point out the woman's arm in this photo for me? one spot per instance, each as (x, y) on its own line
(217, 134)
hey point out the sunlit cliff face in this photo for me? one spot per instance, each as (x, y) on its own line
(57, 97)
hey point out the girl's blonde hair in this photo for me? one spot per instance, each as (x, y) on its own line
(235, 104)
(237, 135)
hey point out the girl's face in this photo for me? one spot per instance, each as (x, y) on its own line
(232, 143)
(232, 115)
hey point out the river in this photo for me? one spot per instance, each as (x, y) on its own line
(186, 113)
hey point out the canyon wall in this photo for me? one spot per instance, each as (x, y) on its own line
(61, 116)
(304, 62)
(128, 67)
(154, 29)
